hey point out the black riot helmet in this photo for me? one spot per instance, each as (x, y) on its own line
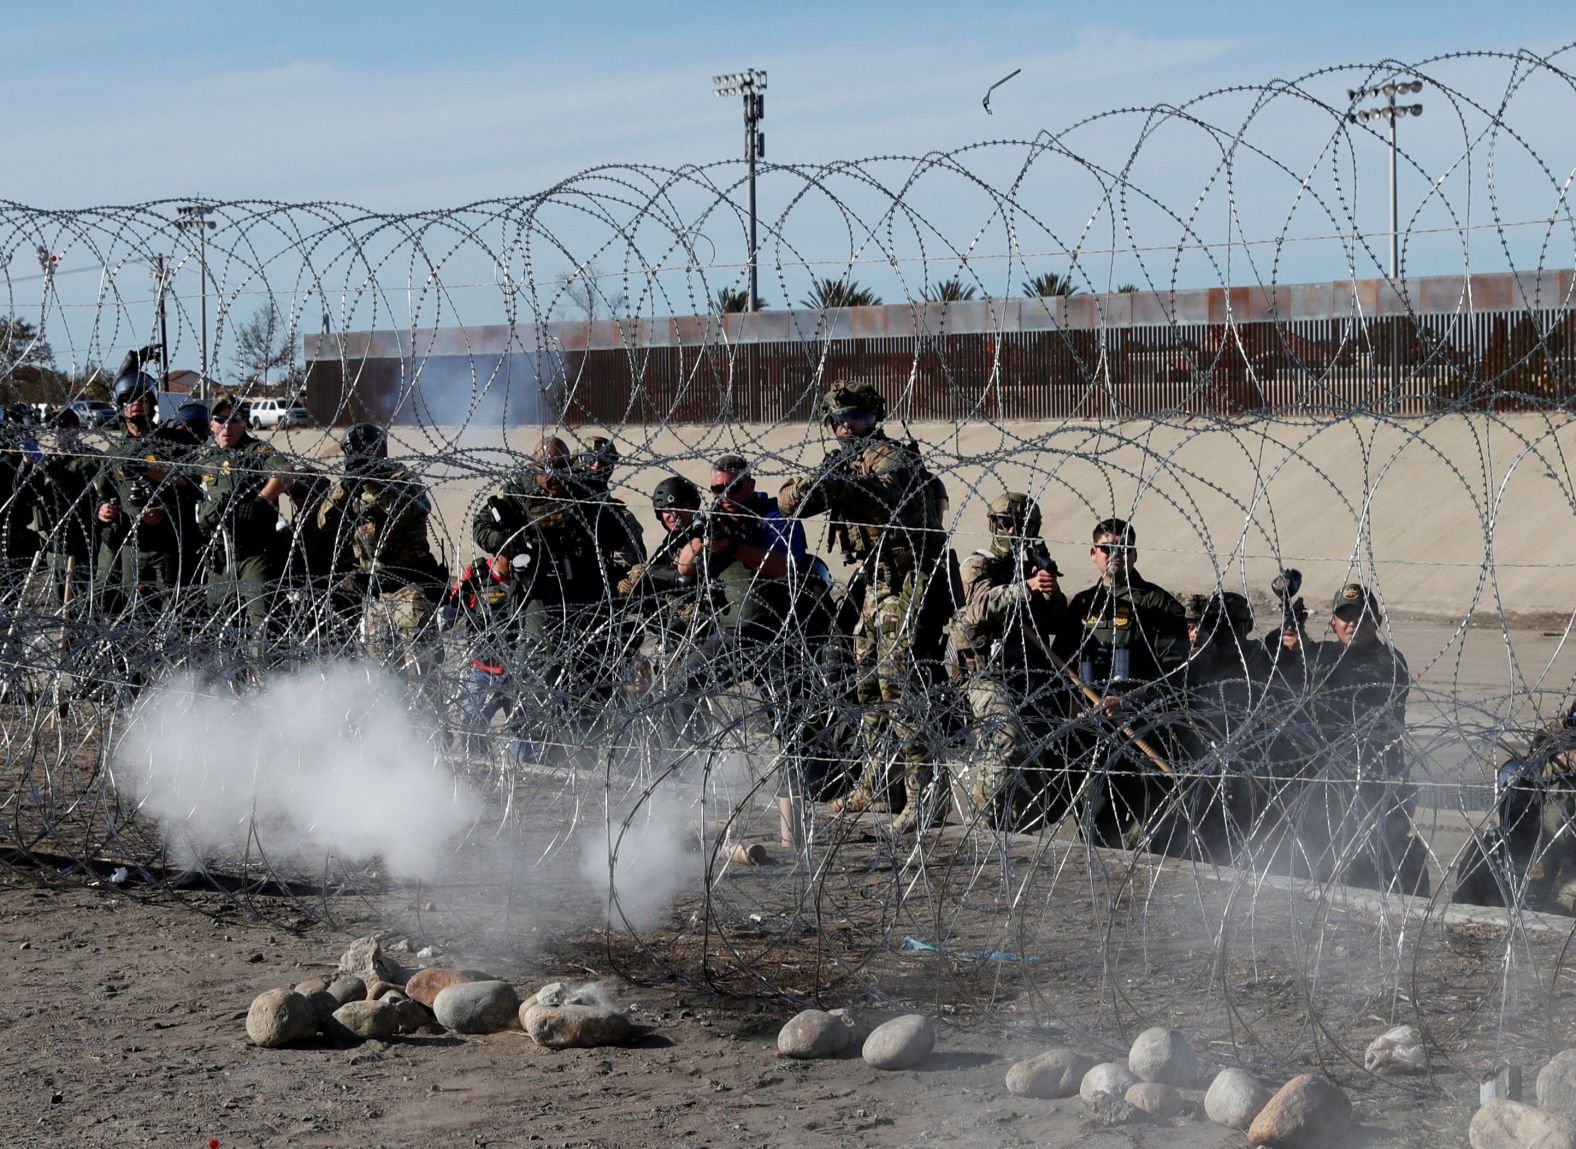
(194, 417)
(132, 382)
(133, 385)
(365, 443)
(675, 493)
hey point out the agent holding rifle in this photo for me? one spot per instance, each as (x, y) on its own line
(1012, 611)
(1127, 641)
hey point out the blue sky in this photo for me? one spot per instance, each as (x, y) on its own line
(399, 105)
(405, 107)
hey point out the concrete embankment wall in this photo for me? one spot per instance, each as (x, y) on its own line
(1448, 516)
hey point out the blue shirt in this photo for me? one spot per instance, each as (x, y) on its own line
(778, 532)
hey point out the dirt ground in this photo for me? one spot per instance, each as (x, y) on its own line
(124, 1025)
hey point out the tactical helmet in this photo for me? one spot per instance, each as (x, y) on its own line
(366, 441)
(1193, 607)
(1017, 511)
(133, 385)
(847, 395)
(675, 492)
(66, 419)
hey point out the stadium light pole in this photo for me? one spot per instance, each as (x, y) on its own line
(751, 84)
(1391, 111)
(195, 216)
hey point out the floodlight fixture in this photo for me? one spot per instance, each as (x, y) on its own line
(1390, 111)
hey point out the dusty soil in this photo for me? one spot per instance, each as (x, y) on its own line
(123, 1022)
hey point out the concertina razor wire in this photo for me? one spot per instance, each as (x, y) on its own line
(300, 678)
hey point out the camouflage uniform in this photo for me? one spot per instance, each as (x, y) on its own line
(382, 509)
(1003, 635)
(324, 589)
(139, 564)
(246, 552)
(1125, 640)
(882, 503)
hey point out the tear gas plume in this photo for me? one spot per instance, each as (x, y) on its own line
(326, 759)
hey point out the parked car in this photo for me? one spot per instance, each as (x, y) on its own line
(94, 412)
(279, 413)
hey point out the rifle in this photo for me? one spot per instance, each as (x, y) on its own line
(1094, 697)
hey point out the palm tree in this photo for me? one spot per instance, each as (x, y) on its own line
(1127, 289)
(1049, 283)
(733, 299)
(825, 293)
(952, 290)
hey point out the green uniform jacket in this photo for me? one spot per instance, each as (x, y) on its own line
(241, 529)
(1134, 632)
(575, 550)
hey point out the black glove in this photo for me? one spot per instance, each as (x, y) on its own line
(250, 513)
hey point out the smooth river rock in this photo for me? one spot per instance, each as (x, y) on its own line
(1308, 1111)
(1054, 1073)
(477, 1006)
(347, 987)
(425, 985)
(1110, 1077)
(1235, 1098)
(369, 1020)
(1556, 1088)
(1155, 1099)
(813, 1033)
(280, 1017)
(901, 1043)
(1501, 1124)
(1163, 1055)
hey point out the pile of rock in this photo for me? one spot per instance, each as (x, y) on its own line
(373, 997)
(901, 1043)
(1161, 1079)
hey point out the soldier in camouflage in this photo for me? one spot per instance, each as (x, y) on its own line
(242, 479)
(882, 503)
(1013, 608)
(1127, 638)
(381, 509)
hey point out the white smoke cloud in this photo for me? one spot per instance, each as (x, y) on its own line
(658, 857)
(326, 759)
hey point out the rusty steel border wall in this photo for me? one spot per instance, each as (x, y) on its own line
(1500, 341)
